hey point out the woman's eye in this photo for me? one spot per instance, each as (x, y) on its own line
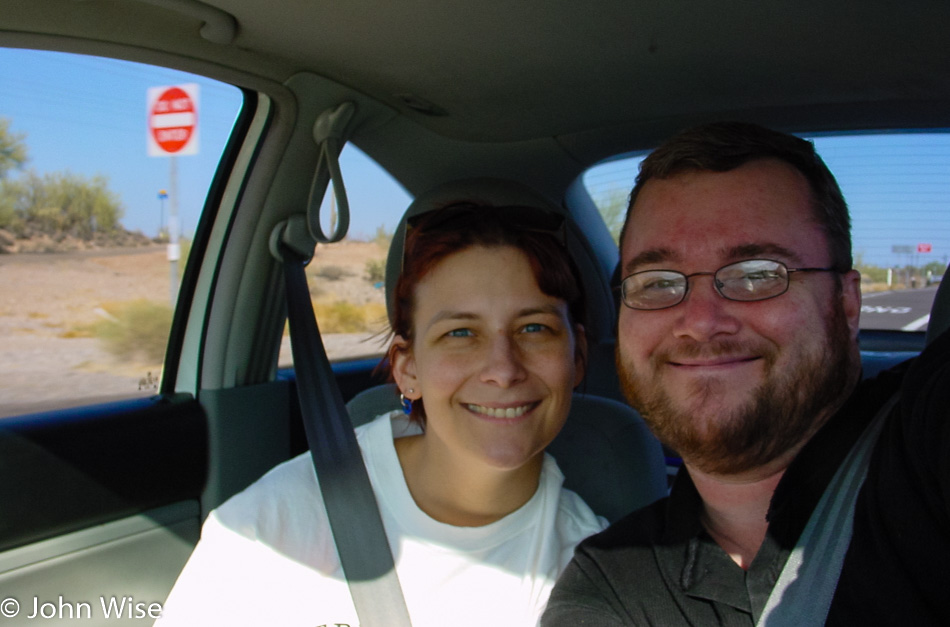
(535, 327)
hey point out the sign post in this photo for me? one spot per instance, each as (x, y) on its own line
(162, 197)
(172, 131)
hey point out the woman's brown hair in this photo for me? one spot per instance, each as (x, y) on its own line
(432, 236)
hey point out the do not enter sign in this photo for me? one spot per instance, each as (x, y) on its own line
(173, 120)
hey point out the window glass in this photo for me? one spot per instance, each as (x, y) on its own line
(896, 186)
(94, 230)
(347, 279)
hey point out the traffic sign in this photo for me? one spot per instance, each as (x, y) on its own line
(924, 248)
(172, 120)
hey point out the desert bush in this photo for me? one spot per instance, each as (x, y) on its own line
(383, 238)
(376, 270)
(13, 149)
(613, 209)
(344, 317)
(138, 330)
(60, 203)
(78, 331)
(330, 273)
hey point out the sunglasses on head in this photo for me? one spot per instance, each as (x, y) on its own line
(514, 217)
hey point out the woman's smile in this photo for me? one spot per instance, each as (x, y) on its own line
(506, 413)
(492, 352)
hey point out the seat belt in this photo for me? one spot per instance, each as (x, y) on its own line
(804, 590)
(352, 510)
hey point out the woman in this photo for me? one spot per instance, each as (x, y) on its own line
(488, 345)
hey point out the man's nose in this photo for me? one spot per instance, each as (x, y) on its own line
(705, 313)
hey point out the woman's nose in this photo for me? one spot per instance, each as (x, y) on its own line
(504, 366)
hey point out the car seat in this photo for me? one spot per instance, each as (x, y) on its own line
(607, 454)
(940, 310)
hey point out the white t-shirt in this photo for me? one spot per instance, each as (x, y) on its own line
(266, 556)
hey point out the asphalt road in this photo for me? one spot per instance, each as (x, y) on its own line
(898, 310)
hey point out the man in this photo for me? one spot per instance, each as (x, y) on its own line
(738, 344)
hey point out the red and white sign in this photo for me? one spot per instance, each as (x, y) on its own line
(173, 120)
(924, 248)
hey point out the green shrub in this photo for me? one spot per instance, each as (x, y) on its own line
(344, 317)
(383, 238)
(138, 330)
(376, 270)
(330, 273)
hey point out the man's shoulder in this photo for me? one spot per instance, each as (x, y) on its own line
(637, 531)
(614, 574)
(930, 370)
(917, 429)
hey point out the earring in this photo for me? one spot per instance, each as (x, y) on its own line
(406, 403)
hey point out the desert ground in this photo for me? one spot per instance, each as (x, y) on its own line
(49, 357)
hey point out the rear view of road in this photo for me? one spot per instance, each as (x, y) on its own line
(898, 310)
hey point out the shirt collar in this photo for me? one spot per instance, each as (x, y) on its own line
(688, 554)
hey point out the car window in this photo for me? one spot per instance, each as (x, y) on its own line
(896, 185)
(347, 278)
(104, 170)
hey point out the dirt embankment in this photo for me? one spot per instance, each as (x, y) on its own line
(48, 302)
(38, 242)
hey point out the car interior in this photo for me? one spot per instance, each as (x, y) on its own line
(509, 102)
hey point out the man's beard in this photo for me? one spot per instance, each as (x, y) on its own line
(786, 408)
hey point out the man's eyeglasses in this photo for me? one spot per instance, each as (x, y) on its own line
(749, 280)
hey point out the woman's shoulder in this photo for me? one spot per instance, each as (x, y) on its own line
(276, 496)
(290, 489)
(575, 519)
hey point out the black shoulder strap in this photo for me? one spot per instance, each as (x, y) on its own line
(804, 590)
(351, 505)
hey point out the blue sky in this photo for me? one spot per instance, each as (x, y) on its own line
(88, 116)
(897, 187)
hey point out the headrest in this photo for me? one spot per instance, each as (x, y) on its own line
(601, 309)
(940, 310)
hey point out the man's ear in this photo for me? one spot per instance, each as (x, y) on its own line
(851, 299)
(580, 354)
(404, 367)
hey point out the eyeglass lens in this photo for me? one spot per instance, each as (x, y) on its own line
(749, 280)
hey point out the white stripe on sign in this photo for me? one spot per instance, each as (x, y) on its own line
(173, 120)
(917, 324)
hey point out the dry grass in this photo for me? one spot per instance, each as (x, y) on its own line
(76, 325)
